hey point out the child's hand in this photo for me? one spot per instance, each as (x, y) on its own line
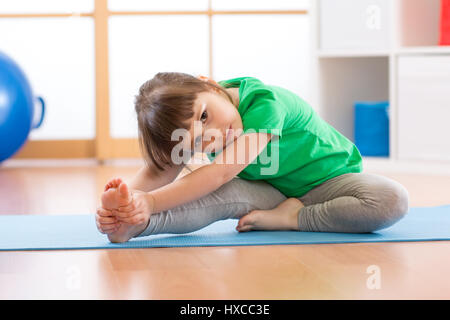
(138, 211)
(106, 222)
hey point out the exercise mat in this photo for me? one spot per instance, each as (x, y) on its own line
(63, 232)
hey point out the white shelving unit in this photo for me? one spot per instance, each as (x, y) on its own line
(368, 50)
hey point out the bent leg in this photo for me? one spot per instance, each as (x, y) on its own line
(353, 202)
(231, 201)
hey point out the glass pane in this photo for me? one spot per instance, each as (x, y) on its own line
(140, 47)
(260, 4)
(46, 6)
(57, 55)
(167, 5)
(273, 48)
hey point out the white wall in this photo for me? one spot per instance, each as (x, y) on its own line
(57, 54)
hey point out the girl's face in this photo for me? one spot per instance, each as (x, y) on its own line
(215, 117)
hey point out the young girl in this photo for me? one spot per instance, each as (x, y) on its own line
(313, 180)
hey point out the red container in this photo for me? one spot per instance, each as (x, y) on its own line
(445, 23)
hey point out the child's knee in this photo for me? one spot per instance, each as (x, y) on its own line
(393, 204)
(399, 201)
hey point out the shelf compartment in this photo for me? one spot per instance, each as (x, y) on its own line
(344, 81)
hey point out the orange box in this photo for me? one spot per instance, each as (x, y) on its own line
(445, 23)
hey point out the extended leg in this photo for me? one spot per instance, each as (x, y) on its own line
(231, 201)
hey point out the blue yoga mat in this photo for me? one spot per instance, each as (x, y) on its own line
(47, 232)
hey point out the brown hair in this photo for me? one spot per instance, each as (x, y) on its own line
(166, 103)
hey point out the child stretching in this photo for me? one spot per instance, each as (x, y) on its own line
(294, 171)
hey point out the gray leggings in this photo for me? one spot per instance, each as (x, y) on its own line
(352, 202)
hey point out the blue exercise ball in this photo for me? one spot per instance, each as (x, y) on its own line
(16, 108)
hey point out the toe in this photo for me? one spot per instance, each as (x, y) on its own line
(123, 191)
(114, 182)
(242, 221)
(247, 220)
(106, 199)
(243, 228)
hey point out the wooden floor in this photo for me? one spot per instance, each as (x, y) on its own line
(409, 270)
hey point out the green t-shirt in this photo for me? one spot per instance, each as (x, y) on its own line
(307, 152)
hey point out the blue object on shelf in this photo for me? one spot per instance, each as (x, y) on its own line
(372, 128)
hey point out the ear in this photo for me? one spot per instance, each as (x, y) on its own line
(207, 79)
(203, 78)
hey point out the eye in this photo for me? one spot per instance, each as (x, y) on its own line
(205, 115)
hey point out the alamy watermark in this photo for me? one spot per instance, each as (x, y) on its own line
(373, 21)
(183, 151)
(373, 282)
(73, 279)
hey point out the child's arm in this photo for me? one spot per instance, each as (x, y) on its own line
(232, 160)
(148, 179)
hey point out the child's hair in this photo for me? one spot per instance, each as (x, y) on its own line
(166, 103)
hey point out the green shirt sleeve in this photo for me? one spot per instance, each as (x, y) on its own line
(265, 115)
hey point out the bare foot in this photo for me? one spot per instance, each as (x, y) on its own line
(117, 196)
(282, 217)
